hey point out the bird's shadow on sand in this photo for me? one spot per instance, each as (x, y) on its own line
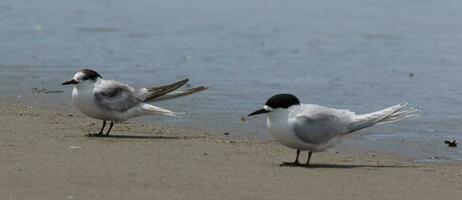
(156, 137)
(345, 166)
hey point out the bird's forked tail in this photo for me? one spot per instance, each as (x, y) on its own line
(385, 116)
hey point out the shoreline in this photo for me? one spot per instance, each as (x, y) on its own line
(416, 140)
(46, 155)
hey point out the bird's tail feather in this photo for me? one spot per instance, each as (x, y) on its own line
(398, 116)
(158, 110)
(151, 93)
(180, 93)
(387, 115)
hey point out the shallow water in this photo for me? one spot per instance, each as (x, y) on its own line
(361, 55)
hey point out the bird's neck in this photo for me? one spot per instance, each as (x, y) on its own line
(278, 115)
(283, 114)
(88, 85)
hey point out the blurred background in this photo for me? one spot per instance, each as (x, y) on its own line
(360, 55)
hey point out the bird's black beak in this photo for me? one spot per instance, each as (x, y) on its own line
(261, 111)
(71, 82)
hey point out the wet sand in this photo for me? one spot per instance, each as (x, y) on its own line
(46, 155)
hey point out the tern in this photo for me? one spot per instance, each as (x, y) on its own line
(114, 101)
(314, 128)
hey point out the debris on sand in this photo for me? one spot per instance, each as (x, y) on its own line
(45, 91)
(451, 143)
(243, 119)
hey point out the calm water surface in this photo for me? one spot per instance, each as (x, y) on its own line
(361, 55)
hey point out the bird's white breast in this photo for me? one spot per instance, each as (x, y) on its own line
(84, 99)
(278, 126)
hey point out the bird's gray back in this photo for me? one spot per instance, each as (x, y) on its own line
(115, 96)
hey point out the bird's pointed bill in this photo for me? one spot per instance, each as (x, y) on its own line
(70, 82)
(261, 111)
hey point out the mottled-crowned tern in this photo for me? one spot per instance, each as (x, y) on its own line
(113, 101)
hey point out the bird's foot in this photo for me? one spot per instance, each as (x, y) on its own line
(96, 135)
(291, 164)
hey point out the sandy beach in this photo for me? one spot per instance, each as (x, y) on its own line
(358, 55)
(46, 154)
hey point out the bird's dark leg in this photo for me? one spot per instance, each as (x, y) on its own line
(102, 128)
(296, 158)
(309, 158)
(293, 163)
(110, 127)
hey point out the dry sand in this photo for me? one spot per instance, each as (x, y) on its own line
(46, 155)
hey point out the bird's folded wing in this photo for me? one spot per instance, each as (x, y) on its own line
(320, 126)
(115, 97)
(150, 93)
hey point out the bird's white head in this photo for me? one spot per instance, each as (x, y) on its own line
(277, 103)
(84, 77)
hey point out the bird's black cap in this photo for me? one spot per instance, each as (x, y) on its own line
(88, 74)
(282, 101)
(277, 101)
(83, 75)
